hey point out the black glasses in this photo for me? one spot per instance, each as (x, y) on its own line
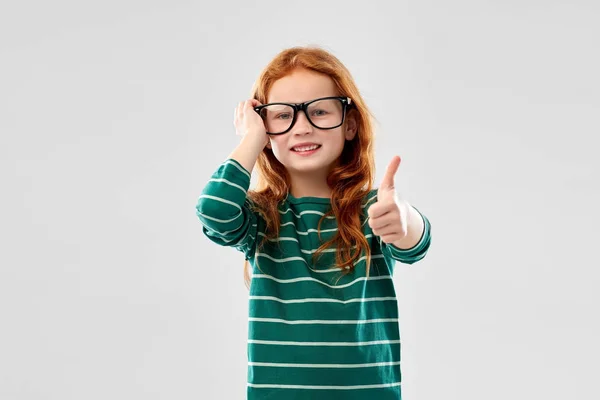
(322, 113)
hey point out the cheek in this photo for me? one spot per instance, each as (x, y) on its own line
(337, 142)
(279, 147)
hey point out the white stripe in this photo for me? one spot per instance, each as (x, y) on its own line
(237, 166)
(306, 212)
(274, 386)
(288, 343)
(280, 260)
(323, 300)
(217, 219)
(327, 250)
(311, 230)
(366, 203)
(225, 233)
(369, 200)
(242, 239)
(322, 271)
(304, 233)
(293, 280)
(291, 365)
(220, 199)
(291, 239)
(238, 242)
(322, 321)
(228, 182)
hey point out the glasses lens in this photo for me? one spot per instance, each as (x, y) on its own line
(326, 113)
(277, 117)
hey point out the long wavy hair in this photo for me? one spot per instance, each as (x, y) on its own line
(352, 177)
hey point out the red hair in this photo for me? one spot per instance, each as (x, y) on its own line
(350, 180)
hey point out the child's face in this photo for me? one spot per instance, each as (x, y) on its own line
(300, 86)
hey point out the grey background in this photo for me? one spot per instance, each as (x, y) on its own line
(114, 114)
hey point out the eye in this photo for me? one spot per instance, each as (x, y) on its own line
(283, 116)
(319, 113)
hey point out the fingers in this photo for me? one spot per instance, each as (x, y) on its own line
(385, 226)
(390, 173)
(243, 106)
(379, 209)
(237, 118)
(250, 104)
(383, 221)
(241, 109)
(244, 118)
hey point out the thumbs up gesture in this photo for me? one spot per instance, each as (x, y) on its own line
(389, 216)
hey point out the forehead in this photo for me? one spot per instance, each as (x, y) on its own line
(301, 85)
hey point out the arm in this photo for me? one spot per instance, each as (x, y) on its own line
(416, 226)
(392, 216)
(416, 244)
(247, 152)
(412, 247)
(223, 208)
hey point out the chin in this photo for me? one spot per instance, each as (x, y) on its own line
(317, 166)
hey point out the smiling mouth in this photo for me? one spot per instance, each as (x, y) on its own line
(306, 149)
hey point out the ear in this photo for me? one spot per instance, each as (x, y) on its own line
(269, 145)
(350, 125)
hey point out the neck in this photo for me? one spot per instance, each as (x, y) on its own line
(310, 185)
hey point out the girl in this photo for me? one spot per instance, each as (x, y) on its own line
(323, 324)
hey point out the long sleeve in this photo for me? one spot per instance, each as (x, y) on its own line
(225, 210)
(406, 256)
(414, 254)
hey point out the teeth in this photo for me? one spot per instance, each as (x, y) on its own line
(307, 148)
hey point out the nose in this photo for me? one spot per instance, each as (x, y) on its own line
(302, 125)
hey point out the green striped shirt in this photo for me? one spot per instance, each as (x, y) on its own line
(312, 333)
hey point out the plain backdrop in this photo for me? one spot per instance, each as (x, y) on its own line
(114, 115)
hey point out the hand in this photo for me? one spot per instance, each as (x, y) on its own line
(247, 122)
(388, 217)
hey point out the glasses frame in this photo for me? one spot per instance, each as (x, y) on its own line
(297, 107)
